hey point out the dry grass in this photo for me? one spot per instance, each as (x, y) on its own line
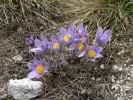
(73, 81)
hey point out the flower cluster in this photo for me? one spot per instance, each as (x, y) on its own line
(75, 38)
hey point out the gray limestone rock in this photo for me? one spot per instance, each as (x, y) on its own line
(24, 89)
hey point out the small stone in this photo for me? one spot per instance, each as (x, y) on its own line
(17, 58)
(115, 67)
(120, 69)
(102, 66)
(83, 91)
(2, 97)
(121, 52)
(113, 78)
(24, 89)
(120, 98)
(93, 78)
(115, 86)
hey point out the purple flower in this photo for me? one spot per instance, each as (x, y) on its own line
(29, 40)
(40, 45)
(38, 68)
(82, 31)
(83, 39)
(81, 34)
(55, 43)
(78, 47)
(102, 36)
(92, 53)
(66, 36)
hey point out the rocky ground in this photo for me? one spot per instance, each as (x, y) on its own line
(109, 78)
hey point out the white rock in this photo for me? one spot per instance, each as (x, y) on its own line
(115, 67)
(17, 58)
(121, 52)
(24, 89)
(102, 66)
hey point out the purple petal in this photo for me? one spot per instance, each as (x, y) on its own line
(29, 40)
(99, 55)
(36, 61)
(45, 43)
(36, 50)
(99, 30)
(82, 30)
(76, 38)
(72, 29)
(109, 35)
(72, 46)
(38, 43)
(82, 53)
(62, 30)
(54, 38)
(34, 74)
(98, 49)
(46, 69)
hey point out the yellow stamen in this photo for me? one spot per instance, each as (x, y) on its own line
(80, 46)
(91, 53)
(67, 37)
(40, 69)
(56, 45)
